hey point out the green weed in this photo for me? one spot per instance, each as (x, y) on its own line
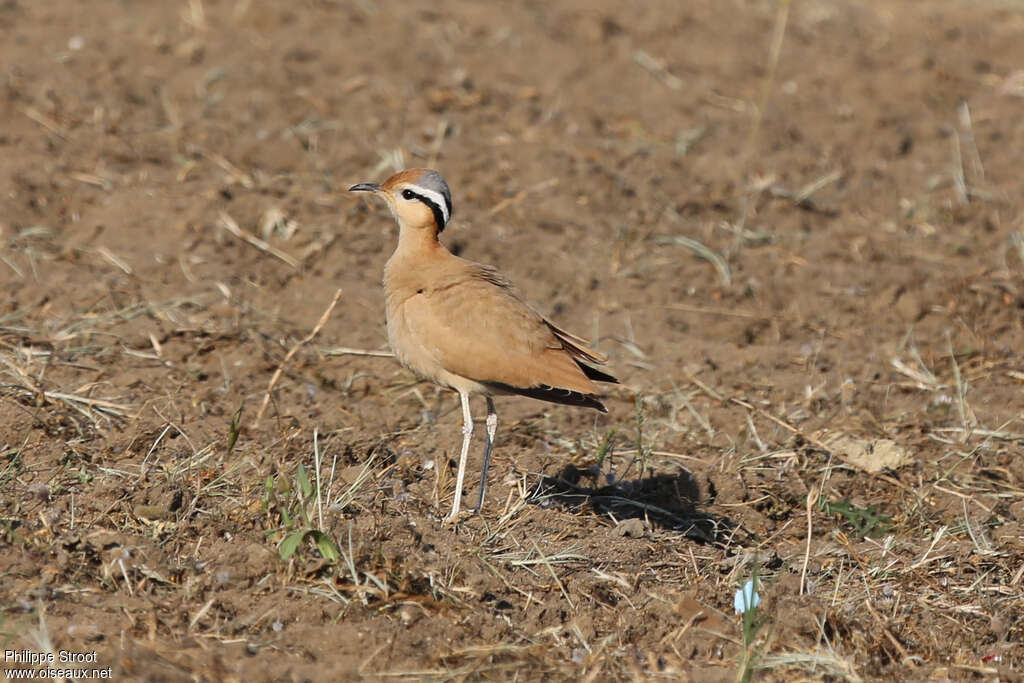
(864, 521)
(289, 504)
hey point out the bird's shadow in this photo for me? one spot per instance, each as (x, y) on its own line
(668, 501)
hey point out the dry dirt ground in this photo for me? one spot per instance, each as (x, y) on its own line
(795, 229)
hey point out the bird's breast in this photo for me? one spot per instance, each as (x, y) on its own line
(410, 350)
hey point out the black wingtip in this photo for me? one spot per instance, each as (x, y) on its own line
(543, 392)
(597, 375)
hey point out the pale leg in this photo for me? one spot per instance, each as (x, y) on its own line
(492, 427)
(467, 432)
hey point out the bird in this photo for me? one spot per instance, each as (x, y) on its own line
(465, 326)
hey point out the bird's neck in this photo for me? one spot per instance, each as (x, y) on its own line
(418, 241)
(415, 263)
(418, 252)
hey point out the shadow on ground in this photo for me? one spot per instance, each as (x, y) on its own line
(667, 501)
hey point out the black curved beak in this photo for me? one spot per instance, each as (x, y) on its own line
(365, 187)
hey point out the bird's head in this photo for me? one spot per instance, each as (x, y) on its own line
(417, 197)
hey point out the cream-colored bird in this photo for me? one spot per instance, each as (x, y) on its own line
(464, 326)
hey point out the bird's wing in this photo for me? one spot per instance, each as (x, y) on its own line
(576, 346)
(473, 324)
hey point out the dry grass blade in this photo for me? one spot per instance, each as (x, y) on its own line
(40, 636)
(349, 351)
(546, 561)
(812, 500)
(928, 557)
(93, 179)
(521, 195)
(348, 495)
(231, 226)
(101, 405)
(529, 559)
(907, 658)
(280, 368)
(812, 187)
(240, 176)
(200, 613)
(822, 663)
(804, 196)
(982, 546)
(74, 401)
(782, 423)
(957, 171)
(114, 260)
(767, 85)
(711, 310)
(922, 376)
(46, 122)
(963, 112)
(987, 433)
(1017, 241)
(967, 420)
(658, 69)
(704, 252)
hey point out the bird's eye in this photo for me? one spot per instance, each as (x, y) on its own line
(408, 194)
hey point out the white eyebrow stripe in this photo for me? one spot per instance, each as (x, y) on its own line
(436, 197)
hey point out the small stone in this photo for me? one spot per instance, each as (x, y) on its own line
(633, 528)
(408, 615)
(1017, 511)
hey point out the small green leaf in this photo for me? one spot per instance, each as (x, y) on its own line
(291, 543)
(283, 485)
(302, 479)
(235, 428)
(268, 494)
(864, 521)
(326, 546)
(606, 447)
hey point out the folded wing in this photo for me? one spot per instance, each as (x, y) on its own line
(476, 326)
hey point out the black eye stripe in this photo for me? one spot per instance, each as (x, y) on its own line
(438, 213)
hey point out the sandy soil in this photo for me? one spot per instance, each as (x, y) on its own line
(797, 234)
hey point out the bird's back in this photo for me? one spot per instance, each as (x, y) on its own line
(463, 325)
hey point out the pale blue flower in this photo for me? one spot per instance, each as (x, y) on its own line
(746, 598)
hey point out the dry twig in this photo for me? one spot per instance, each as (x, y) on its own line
(280, 368)
(231, 226)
